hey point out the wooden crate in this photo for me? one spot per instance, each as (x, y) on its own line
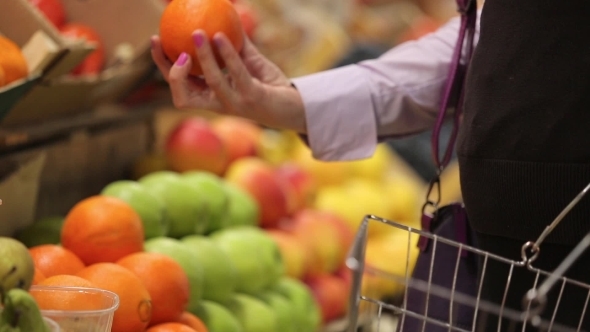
(78, 165)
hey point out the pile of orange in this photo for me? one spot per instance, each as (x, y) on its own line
(102, 247)
(13, 65)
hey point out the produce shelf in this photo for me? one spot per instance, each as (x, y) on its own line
(15, 138)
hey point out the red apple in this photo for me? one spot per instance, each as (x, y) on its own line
(321, 237)
(294, 251)
(344, 233)
(93, 62)
(345, 274)
(193, 145)
(331, 294)
(53, 10)
(240, 136)
(302, 183)
(248, 17)
(258, 178)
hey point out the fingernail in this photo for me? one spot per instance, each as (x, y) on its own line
(153, 41)
(182, 59)
(218, 41)
(199, 39)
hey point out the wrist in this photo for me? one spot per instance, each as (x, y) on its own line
(285, 110)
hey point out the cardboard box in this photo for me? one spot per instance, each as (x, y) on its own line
(49, 179)
(125, 28)
(42, 53)
(19, 188)
(20, 21)
(12, 93)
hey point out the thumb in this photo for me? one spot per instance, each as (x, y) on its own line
(179, 80)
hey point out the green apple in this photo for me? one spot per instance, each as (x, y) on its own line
(269, 252)
(150, 208)
(176, 250)
(44, 231)
(242, 209)
(283, 309)
(305, 308)
(253, 314)
(211, 187)
(220, 277)
(160, 175)
(217, 318)
(185, 206)
(254, 254)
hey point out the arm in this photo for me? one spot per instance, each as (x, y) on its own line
(349, 109)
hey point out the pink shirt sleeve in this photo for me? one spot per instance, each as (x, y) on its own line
(349, 108)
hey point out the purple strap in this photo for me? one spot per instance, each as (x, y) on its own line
(453, 92)
(452, 98)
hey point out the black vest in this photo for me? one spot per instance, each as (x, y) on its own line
(524, 144)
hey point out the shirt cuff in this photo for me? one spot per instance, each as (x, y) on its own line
(339, 113)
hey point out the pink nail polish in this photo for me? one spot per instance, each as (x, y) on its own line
(198, 39)
(218, 41)
(182, 59)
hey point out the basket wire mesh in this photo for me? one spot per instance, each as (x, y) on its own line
(509, 319)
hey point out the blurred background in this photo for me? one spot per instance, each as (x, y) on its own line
(308, 36)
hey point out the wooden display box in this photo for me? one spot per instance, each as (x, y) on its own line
(45, 53)
(50, 178)
(125, 28)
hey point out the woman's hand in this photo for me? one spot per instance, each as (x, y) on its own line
(254, 87)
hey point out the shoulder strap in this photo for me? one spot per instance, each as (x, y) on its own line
(452, 97)
(453, 91)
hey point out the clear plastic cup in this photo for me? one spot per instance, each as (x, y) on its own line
(53, 327)
(95, 314)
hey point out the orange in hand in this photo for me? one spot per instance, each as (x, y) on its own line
(164, 279)
(13, 64)
(52, 260)
(170, 327)
(135, 307)
(102, 229)
(64, 300)
(182, 17)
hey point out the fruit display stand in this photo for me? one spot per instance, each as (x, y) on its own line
(48, 167)
(283, 153)
(90, 151)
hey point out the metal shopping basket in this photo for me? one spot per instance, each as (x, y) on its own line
(532, 303)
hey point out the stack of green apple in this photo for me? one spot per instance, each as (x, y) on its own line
(236, 272)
